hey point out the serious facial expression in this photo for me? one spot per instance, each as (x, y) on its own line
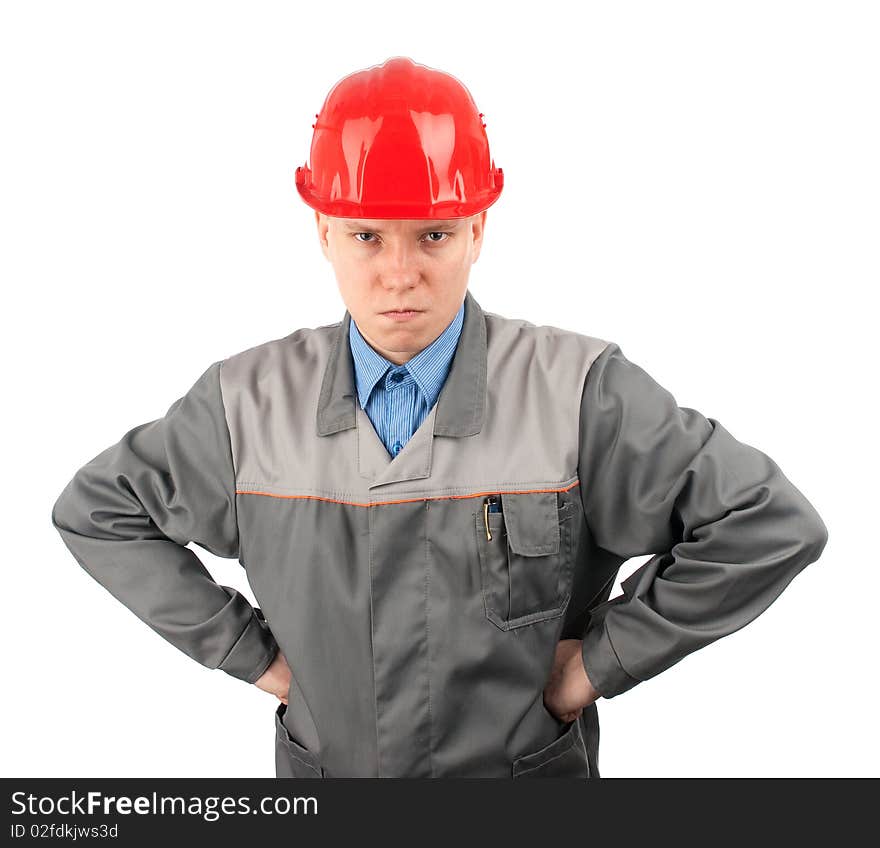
(419, 266)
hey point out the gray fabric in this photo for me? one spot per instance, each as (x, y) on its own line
(728, 529)
(128, 513)
(419, 643)
(280, 394)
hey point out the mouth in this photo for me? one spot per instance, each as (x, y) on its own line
(401, 314)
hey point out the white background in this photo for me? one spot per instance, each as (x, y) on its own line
(696, 181)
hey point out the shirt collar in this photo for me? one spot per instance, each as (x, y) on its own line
(428, 368)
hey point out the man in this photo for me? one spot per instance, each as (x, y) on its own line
(432, 501)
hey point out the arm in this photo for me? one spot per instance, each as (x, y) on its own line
(129, 513)
(727, 529)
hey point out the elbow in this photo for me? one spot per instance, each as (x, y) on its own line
(800, 534)
(817, 536)
(61, 509)
(812, 532)
(71, 511)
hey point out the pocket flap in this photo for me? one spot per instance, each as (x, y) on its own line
(531, 522)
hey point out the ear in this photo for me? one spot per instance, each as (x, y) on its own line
(323, 224)
(478, 227)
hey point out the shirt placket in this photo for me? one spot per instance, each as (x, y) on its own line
(397, 384)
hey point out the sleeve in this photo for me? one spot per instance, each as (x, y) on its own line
(727, 530)
(128, 514)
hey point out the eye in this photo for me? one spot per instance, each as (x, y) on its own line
(433, 233)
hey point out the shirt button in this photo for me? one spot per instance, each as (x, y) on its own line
(396, 377)
(397, 447)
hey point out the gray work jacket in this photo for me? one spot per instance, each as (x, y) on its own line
(419, 621)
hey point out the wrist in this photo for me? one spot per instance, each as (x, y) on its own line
(577, 671)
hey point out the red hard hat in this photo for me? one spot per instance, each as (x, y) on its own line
(399, 140)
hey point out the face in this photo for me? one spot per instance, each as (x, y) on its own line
(400, 264)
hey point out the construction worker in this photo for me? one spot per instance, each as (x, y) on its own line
(432, 501)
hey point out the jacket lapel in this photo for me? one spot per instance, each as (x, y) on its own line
(458, 412)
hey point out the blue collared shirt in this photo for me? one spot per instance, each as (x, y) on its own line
(398, 398)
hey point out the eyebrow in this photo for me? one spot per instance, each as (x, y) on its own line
(429, 225)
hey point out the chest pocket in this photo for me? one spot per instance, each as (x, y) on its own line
(525, 567)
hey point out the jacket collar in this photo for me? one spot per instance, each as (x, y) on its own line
(427, 369)
(462, 400)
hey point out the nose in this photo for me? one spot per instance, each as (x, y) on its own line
(400, 266)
